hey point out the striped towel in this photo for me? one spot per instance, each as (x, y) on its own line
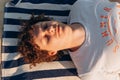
(13, 66)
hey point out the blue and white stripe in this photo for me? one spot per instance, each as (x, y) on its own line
(13, 66)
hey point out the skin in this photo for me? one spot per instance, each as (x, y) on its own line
(54, 36)
(50, 34)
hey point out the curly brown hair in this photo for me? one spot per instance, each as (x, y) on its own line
(30, 52)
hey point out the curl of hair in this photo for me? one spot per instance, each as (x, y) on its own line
(30, 52)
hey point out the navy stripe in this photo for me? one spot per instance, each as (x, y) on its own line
(43, 74)
(13, 63)
(19, 62)
(51, 1)
(10, 34)
(14, 1)
(12, 21)
(37, 11)
(9, 49)
(47, 1)
(65, 58)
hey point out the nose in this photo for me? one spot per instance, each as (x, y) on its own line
(51, 30)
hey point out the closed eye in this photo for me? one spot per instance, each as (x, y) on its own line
(47, 38)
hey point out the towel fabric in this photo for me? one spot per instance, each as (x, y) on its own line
(13, 66)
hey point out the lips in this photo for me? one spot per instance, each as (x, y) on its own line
(57, 31)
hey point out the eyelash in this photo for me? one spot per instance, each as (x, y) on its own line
(47, 37)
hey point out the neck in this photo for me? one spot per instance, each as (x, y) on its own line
(78, 36)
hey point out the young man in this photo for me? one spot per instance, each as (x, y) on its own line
(92, 39)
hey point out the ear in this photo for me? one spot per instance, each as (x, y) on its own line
(52, 53)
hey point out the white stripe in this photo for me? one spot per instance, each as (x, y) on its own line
(61, 78)
(44, 6)
(17, 15)
(20, 16)
(42, 66)
(8, 4)
(10, 56)
(9, 42)
(11, 27)
(60, 18)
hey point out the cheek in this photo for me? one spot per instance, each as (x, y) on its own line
(58, 43)
(54, 44)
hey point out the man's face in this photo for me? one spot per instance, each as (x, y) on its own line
(51, 35)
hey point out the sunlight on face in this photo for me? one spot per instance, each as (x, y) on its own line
(52, 35)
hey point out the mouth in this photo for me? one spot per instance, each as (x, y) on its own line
(58, 31)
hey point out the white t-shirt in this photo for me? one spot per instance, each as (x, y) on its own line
(99, 57)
